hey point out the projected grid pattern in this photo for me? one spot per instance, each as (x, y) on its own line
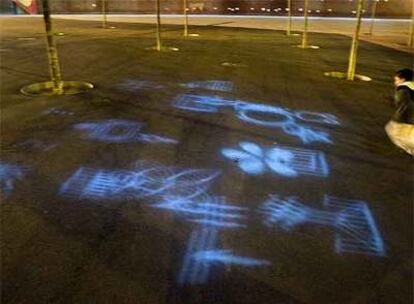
(262, 115)
(356, 231)
(283, 160)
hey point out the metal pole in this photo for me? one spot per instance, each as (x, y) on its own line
(54, 66)
(158, 46)
(411, 37)
(103, 2)
(185, 19)
(355, 41)
(289, 25)
(373, 13)
(305, 29)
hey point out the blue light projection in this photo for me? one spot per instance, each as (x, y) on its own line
(195, 271)
(56, 111)
(227, 257)
(120, 131)
(213, 85)
(202, 253)
(202, 249)
(197, 103)
(147, 180)
(262, 115)
(136, 85)
(356, 230)
(283, 160)
(9, 174)
(206, 210)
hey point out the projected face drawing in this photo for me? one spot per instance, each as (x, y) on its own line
(355, 228)
(9, 175)
(282, 160)
(254, 113)
(120, 131)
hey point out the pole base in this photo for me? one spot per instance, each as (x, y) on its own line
(342, 75)
(163, 49)
(314, 47)
(47, 88)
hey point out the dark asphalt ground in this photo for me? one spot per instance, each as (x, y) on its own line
(66, 249)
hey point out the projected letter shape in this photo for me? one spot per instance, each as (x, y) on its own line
(151, 180)
(206, 210)
(213, 85)
(9, 174)
(120, 131)
(356, 230)
(283, 160)
(262, 115)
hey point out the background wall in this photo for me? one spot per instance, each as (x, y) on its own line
(345, 8)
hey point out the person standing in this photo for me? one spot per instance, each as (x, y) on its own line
(400, 129)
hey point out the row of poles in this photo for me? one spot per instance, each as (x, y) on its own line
(59, 87)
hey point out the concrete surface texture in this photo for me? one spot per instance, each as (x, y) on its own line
(230, 171)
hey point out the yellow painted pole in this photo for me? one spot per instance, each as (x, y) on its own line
(185, 18)
(373, 13)
(306, 24)
(54, 66)
(355, 41)
(289, 23)
(411, 37)
(158, 46)
(103, 2)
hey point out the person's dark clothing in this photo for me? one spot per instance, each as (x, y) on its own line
(404, 102)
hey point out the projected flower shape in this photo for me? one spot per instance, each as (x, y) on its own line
(254, 160)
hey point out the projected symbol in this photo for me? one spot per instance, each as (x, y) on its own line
(207, 211)
(120, 131)
(197, 103)
(196, 271)
(227, 257)
(135, 85)
(325, 118)
(56, 111)
(213, 85)
(356, 230)
(9, 174)
(283, 160)
(307, 135)
(147, 179)
(262, 115)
